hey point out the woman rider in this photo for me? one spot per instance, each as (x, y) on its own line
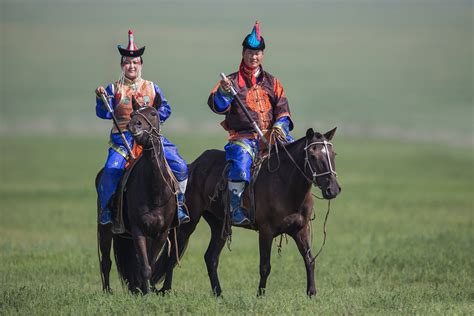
(131, 84)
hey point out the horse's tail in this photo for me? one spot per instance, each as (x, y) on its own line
(161, 265)
(127, 262)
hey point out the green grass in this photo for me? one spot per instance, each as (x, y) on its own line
(400, 237)
(388, 73)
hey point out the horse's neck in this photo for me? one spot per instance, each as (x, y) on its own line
(156, 167)
(292, 169)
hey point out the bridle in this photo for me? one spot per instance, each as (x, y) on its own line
(157, 147)
(313, 181)
(152, 131)
(314, 172)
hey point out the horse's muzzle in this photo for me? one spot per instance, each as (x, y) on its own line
(331, 192)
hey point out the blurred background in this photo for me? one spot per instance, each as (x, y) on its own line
(395, 77)
(391, 69)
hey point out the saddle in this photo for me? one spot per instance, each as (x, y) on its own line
(118, 222)
(248, 196)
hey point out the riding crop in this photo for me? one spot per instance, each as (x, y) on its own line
(104, 98)
(247, 114)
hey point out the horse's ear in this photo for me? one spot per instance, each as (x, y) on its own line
(135, 104)
(309, 133)
(329, 135)
(157, 101)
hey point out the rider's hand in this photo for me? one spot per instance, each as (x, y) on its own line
(279, 132)
(100, 90)
(225, 86)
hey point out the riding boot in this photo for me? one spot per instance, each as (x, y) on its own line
(105, 216)
(235, 197)
(107, 185)
(183, 217)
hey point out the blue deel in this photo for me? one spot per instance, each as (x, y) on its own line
(222, 101)
(241, 154)
(115, 164)
(101, 111)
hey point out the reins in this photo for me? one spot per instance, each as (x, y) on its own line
(274, 140)
(325, 234)
(157, 147)
(154, 133)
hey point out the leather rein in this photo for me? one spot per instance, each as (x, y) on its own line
(155, 134)
(314, 172)
(313, 181)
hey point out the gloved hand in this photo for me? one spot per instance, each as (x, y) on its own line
(224, 87)
(281, 129)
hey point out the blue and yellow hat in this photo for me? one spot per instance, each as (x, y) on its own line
(254, 40)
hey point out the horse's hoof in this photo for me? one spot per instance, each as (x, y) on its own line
(162, 291)
(217, 292)
(108, 290)
(311, 293)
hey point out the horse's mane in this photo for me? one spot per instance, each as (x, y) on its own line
(299, 140)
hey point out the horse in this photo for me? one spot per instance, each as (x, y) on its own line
(283, 205)
(149, 207)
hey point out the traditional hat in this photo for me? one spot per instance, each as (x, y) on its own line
(131, 50)
(254, 40)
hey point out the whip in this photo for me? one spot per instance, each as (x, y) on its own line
(122, 135)
(247, 114)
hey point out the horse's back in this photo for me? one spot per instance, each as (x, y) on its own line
(204, 174)
(208, 160)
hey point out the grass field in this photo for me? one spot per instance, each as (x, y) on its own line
(400, 237)
(396, 77)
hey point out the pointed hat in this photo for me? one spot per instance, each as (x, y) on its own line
(131, 50)
(254, 40)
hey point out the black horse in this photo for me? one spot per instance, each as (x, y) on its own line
(149, 207)
(283, 204)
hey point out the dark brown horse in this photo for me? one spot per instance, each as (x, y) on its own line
(283, 204)
(149, 207)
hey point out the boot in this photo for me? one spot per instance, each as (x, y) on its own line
(105, 217)
(235, 197)
(183, 217)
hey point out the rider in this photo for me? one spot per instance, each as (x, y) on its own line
(263, 95)
(131, 84)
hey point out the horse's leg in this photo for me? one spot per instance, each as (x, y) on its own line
(303, 242)
(265, 239)
(104, 239)
(155, 247)
(140, 245)
(213, 252)
(153, 251)
(183, 234)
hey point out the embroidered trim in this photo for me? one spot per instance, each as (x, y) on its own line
(119, 150)
(245, 147)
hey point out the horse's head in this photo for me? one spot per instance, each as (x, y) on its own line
(145, 122)
(320, 160)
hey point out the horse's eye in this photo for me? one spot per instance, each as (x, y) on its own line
(153, 113)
